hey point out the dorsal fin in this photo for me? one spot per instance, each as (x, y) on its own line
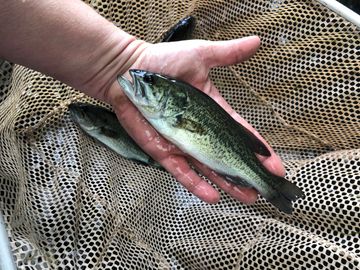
(254, 143)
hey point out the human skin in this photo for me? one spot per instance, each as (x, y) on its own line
(69, 41)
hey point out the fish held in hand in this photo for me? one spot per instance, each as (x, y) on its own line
(103, 125)
(200, 127)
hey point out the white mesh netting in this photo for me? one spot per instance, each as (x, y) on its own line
(71, 203)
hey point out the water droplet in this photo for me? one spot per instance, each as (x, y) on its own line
(315, 58)
(275, 4)
(283, 40)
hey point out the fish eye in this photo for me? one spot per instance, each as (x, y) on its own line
(148, 78)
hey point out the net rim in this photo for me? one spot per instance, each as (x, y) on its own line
(342, 10)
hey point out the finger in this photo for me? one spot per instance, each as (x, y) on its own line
(245, 195)
(180, 169)
(230, 52)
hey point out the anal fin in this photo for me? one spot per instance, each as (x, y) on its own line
(237, 181)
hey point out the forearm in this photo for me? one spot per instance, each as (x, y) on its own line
(67, 40)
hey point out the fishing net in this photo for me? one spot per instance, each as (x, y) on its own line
(71, 203)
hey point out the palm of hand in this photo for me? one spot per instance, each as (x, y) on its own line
(189, 61)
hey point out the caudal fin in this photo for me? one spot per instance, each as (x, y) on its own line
(282, 193)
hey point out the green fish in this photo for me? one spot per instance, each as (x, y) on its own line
(200, 127)
(181, 31)
(103, 125)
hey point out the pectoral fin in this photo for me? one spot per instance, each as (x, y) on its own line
(189, 125)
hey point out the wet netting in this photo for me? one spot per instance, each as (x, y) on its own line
(70, 203)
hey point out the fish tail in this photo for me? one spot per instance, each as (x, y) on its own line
(282, 193)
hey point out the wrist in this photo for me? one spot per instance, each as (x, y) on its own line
(118, 53)
(66, 40)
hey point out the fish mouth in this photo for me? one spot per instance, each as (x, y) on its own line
(75, 108)
(76, 105)
(137, 73)
(137, 76)
(79, 113)
(76, 111)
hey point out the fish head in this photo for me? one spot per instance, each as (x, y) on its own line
(153, 94)
(84, 115)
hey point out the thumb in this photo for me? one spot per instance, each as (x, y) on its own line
(230, 52)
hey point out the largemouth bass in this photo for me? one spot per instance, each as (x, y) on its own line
(181, 31)
(103, 125)
(200, 127)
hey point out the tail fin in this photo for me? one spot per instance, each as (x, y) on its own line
(282, 193)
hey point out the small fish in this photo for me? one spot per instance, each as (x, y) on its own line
(183, 30)
(195, 123)
(103, 125)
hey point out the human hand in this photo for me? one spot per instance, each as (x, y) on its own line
(189, 61)
(89, 54)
